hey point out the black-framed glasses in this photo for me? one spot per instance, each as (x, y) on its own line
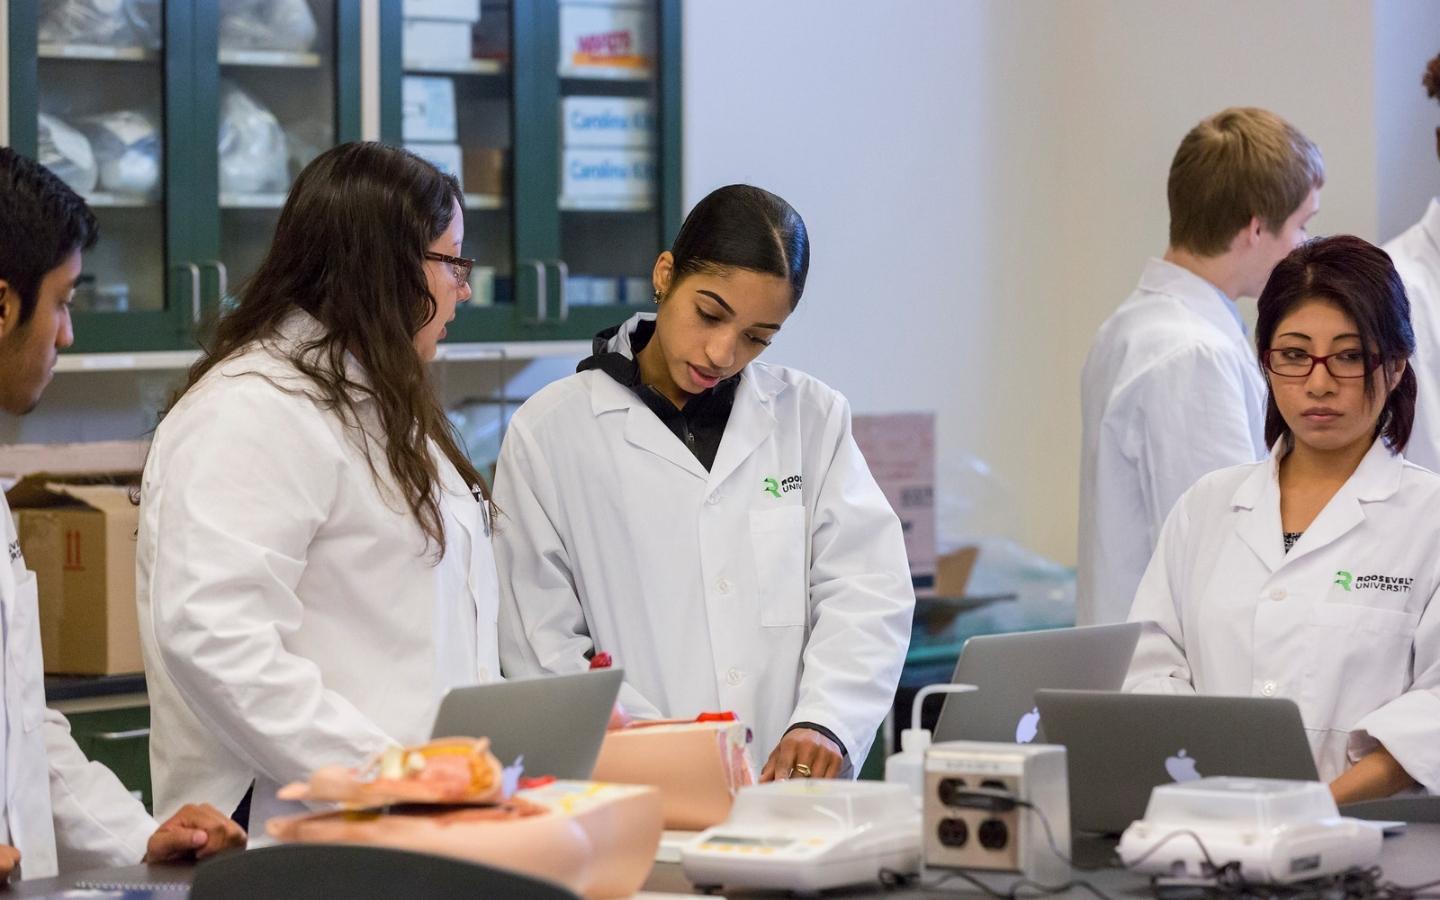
(1292, 362)
(459, 266)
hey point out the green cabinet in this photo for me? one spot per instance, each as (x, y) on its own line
(120, 739)
(563, 124)
(183, 123)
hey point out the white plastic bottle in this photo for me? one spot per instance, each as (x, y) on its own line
(908, 766)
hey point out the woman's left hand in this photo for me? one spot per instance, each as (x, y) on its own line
(803, 753)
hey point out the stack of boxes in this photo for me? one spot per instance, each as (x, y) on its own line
(438, 31)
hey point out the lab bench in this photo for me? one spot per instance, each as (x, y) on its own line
(1408, 858)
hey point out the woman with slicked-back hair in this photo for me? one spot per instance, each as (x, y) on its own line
(705, 518)
(314, 563)
(1314, 574)
(1416, 253)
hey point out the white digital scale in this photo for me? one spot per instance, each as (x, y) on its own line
(804, 835)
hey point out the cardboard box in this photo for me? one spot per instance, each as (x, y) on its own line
(484, 170)
(900, 449)
(607, 176)
(428, 108)
(608, 122)
(606, 39)
(78, 534)
(445, 157)
(457, 10)
(430, 41)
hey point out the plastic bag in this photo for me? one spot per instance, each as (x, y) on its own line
(253, 149)
(267, 25)
(127, 150)
(109, 23)
(67, 153)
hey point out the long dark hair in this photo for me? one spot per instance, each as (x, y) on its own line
(1360, 279)
(349, 250)
(743, 227)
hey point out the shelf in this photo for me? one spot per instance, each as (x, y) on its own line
(252, 201)
(107, 200)
(597, 73)
(97, 52)
(278, 59)
(601, 204)
(456, 67)
(169, 360)
(483, 201)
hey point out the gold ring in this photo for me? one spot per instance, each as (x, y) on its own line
(802, 770)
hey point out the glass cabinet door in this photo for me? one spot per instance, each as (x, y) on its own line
(455, 111)
(89, 100)
(281, 82)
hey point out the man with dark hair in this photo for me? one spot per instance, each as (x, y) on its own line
(59, 809)
(1171, 389)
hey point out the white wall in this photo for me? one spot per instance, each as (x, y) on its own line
(1407, 36)
(983, 181)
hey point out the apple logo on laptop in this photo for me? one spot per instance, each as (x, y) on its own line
(1028, 726)
(1181, 767)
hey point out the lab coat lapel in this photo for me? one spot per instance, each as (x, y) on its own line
(1257, 505)
(1376, 478)
(752, 421)
(644, 430)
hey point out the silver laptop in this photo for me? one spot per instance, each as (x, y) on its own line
(556, 722)
(1120, 746)
(1009, 668)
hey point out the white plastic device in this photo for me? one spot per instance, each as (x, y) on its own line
(803, 835)
(908, 766)
(1278, 831)
(987, 804)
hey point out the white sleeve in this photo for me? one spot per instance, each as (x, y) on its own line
(98, 824)
(1409, 725)
(1192, 418)
(1159, 665)
(862, 602)
(248, 481)
(542, 624)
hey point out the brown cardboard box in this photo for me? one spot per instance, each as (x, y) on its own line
(484, 171)
(900, 450)
(77, 532)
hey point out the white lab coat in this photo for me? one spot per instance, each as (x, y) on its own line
(1416, 253)
(291, 614)
(1171, 390)
(1346, 624)
(711, 592)
(61, 810)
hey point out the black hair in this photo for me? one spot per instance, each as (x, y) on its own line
(1360, 279)
(743, 227)
(42, 222)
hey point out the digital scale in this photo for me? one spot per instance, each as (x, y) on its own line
(803, 835)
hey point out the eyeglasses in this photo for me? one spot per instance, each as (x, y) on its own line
(1292, 362)
(459, 266)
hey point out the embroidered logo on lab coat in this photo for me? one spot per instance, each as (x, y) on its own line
(1392, 583)
(775, 487)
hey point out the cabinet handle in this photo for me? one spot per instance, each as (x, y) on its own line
(222, 280)
(129, 735)
(563, 272)
(540, 291)
(195, 312)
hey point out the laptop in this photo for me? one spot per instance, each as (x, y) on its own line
(1120, 746)
(556, 722)
(1009, 668)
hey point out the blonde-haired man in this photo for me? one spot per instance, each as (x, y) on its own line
(1171, 389)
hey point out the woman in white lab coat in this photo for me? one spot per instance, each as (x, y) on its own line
(704, 518)
(314, 560)
(1313, 575)
(1416, 253)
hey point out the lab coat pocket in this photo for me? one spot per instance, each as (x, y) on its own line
(24, 651)
(778, 538)
(1359, 661)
